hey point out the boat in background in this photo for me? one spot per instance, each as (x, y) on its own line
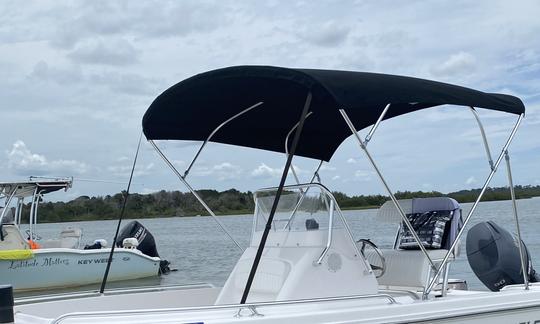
(28, 262)
(303, 264)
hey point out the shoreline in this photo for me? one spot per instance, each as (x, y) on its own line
(242, 213)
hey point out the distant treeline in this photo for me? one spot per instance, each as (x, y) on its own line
(175, 203)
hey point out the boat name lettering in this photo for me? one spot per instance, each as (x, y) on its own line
(529, 322)
(23, 264)
(47, 262)
(90, 261)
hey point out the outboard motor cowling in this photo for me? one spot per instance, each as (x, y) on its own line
(493, 255)
(146, 242)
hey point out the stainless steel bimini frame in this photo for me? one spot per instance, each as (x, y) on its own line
(436, 268)
(287, 146)
(493, 166)
(313, 178)
(15, 190)
(183, 177)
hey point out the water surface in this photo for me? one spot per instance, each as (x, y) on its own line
(202, 253)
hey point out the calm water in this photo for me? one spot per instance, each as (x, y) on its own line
(202, 253)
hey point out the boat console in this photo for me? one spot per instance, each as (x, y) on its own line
(309, 245)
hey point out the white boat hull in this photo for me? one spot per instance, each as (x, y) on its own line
(59, 267)
(162, 305)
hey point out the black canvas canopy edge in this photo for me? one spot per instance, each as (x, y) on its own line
(193, 108)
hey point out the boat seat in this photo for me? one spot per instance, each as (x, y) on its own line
(266, 285)
(69, 238)
(59, 243)
(406, 268)
(13, 240)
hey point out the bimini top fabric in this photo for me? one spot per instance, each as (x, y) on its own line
(193, 108)
(27, 188)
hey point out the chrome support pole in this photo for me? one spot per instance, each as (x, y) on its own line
(374, 127)
(8, 201)
(484, 138)
(287, 148)
(316, 172)
(181, 178)
(18, 212)
(32, 209)
(444, 285)
(524, 268)
(255, 220)
(37, 207)
(473, 208)
(330, 226)
(394, 200)
(214, 132)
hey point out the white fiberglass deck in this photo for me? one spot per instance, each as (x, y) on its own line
(195, 304)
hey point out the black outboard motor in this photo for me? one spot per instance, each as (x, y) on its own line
(493, 255)
(147, 244)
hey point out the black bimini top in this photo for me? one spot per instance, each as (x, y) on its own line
(193, 108)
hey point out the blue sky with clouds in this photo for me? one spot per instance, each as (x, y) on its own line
(77, 76)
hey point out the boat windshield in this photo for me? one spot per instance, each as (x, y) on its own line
(300, 209)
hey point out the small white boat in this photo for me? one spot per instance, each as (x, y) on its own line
(302, 264)
(27, 262)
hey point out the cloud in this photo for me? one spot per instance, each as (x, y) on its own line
(124, 171)
(527, 61)
(461, 63)
(127, 83)
(328, 34)
(222, 171)
(336, 177)
(116, 82)
(264, 171)
(362, 175)
(145, 19)
(42, 71)
(427, 186)
(107, 52)
(23, 162)
(325, 167)
(470, 180)
(179, 163)
(351, 161)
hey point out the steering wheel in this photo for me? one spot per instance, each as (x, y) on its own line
(378, 270)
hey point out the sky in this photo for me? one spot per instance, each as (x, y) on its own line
(77, 76)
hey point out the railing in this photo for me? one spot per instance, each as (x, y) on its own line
(252, 307)
(110, 292)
